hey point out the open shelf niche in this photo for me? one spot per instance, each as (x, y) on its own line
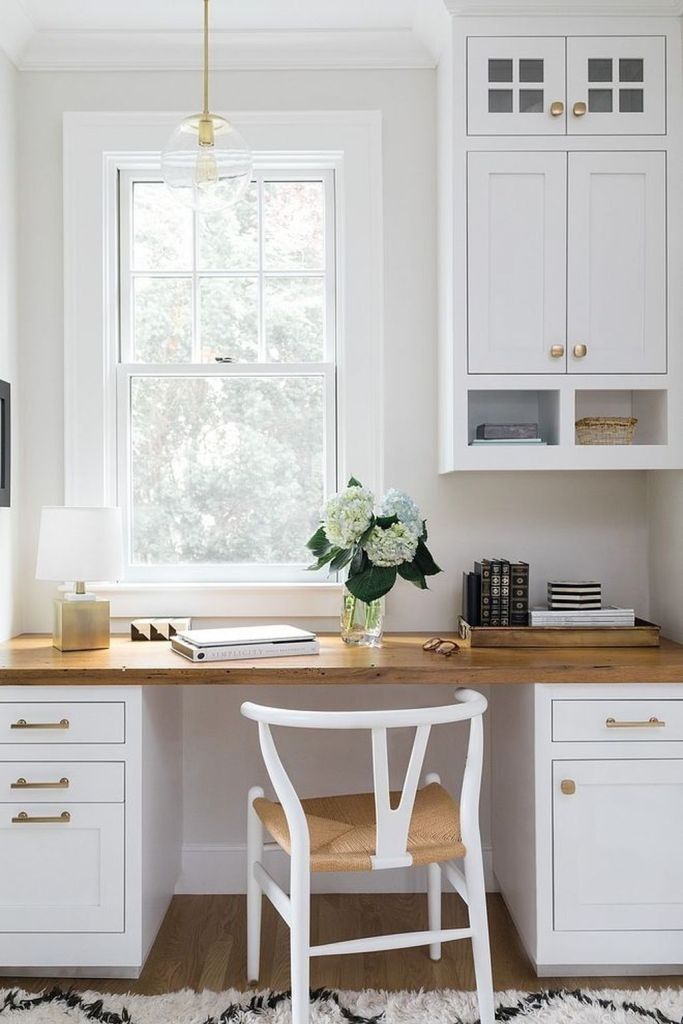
(647, 405)
(540, 406)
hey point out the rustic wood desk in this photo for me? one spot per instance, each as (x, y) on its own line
(33, 661)
(582, 744)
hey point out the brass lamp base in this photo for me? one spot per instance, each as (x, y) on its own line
(80, 625)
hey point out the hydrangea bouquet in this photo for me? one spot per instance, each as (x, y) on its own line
(378, 542)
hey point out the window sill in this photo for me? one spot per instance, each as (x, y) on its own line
(222, 600)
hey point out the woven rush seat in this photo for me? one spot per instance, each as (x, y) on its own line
(342, 829)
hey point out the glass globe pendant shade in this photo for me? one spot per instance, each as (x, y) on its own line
(206, 163)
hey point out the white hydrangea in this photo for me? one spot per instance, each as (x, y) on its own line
(347, 516)
(391, 546)
(398, 503)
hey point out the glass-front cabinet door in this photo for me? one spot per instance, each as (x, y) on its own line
(616, 85)
(516, 85)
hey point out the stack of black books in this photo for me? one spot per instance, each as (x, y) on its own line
(496, 593)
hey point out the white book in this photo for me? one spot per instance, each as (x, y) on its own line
(245, 652)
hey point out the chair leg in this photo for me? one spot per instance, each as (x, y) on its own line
(300, 948)
(434, 906)
(481, 950)
(254, 895)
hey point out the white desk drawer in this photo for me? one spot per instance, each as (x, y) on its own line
(62, 868)
(62, 722)
(54, 782)
(617, 720)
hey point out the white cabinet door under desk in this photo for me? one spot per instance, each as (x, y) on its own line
(62, 867)
(587, 793)
(90, 812)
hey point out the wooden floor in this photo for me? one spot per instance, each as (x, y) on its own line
(202, 945)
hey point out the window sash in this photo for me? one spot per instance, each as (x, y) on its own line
(126, 369)
(213, 572)
(127, 275)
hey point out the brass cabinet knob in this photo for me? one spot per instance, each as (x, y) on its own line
(568, 787)
(579, 109)
(580, 351)
(557, 351)
(557, 108)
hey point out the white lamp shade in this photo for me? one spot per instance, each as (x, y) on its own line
(80, 544)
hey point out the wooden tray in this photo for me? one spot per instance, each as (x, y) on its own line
(643, 634)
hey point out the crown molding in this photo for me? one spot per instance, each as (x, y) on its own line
(566, 8)
(182, 51)
(16, 29)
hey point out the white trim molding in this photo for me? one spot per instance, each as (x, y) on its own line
(16, 30)
(577, 8)
(234, 51)
(96, 147)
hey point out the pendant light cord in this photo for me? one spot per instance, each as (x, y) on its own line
(206, 57)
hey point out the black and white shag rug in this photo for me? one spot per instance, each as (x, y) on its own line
(609, 1006)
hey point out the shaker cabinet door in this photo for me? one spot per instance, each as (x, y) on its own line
(517, 262)
(515, 85)
(616, 85)
(617, 840)
(62, 867)
(617, 263)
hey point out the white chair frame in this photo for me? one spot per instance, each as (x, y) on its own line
(391, 842)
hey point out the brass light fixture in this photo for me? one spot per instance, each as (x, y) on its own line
(206, 163)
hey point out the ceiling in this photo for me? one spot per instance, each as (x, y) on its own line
(240, 15)
(166, 34)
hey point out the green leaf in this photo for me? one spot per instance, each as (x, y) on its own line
(353, 482)
(342, 558)
(424, 561)
(364, 536)
(373, 583)
(319, 543)
(385, 521)
(423, 535)
(359, 562)
(324, 559)
(409, 571)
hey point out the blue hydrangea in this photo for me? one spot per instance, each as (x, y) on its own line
(398, 503)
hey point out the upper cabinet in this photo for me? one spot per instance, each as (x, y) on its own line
(577, 85)
(516, 86)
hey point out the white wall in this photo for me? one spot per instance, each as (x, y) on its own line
(665, 517)
(9, 571)
(577, 523)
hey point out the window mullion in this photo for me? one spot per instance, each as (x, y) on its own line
(196, 303)
(261, 278)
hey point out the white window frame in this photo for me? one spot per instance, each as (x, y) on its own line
(127, 370)
(97, 147)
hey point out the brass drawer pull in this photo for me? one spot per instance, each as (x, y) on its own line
(652, 723)
(23, 724)
(579, 109)
(23, 784)
(557, 108)
(557, 351)
(23, 818)
(568, 787)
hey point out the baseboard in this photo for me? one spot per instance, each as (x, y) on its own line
(221, 868)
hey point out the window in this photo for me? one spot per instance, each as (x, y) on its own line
(226, 383)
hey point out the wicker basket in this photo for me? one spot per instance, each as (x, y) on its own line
(605, 430)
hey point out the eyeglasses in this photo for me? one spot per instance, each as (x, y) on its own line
(439, 646)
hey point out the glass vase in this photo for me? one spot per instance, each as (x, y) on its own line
(362, 624)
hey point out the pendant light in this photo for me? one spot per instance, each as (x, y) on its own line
(206, 163)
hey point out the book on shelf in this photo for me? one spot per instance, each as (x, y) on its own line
(471, 598)
(536, 442)
(519, 594)
(495, 591)
(506, 431)
(599, 617)
(483, 570)
(505, 588)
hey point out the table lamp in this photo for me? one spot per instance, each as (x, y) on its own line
(80, 544)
